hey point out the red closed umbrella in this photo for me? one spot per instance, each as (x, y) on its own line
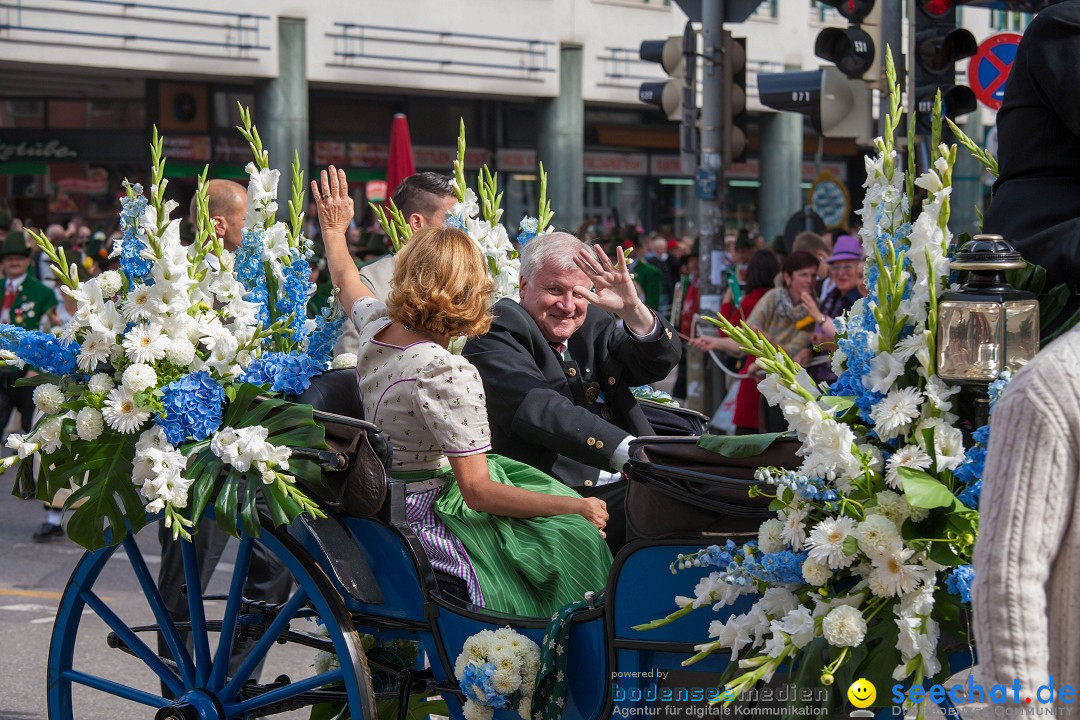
(399, 165)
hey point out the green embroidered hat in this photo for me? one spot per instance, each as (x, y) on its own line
(14, 244)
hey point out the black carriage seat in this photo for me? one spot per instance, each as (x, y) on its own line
(677, 489)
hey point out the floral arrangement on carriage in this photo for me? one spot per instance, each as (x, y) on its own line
(169, 376)
(866, 565)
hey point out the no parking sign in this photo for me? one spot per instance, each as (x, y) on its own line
(990, 66)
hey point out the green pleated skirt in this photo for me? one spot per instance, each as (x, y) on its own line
(527, 566)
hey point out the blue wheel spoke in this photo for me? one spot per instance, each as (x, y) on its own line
(288, 612)
(196, 613)
(164, 620)
(114, 688)
(232, 611)
(284, 693)
(133, 642)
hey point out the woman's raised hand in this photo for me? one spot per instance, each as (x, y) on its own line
(331, 194)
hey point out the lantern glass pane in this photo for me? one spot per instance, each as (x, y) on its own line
(1021, 332)
(969, 340)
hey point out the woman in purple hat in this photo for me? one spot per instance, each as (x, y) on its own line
(846, 267)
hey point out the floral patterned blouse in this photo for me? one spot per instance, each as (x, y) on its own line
(428, 401)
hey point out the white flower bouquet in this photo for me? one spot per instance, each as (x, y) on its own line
(867, 562)
(148, 397)
(497, 669)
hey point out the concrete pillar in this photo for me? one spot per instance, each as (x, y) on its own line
(780, 194)
(562, 141)
(967, 182)
(281, 106)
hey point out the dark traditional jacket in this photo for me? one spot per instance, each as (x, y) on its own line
(33, 300)
(566, 416)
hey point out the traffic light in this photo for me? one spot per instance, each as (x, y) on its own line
(836, 105)
(677, 55)
(853, 49)
(734, 130)
(939, 45)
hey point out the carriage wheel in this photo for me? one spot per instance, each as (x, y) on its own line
(197, 684)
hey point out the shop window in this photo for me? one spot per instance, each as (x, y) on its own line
(96, 114)
(352, 116)
(227, 107)
(767, 10)
(22, 114)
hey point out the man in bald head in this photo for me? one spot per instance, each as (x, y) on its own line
(228, 209)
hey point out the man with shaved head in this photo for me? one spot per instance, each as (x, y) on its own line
(228, 209)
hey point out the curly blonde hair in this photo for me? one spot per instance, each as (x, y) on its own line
(441, 284)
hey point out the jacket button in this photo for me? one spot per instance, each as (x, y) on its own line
(588, 483)
(611, 381)
(668, 333)
(591, 441)
(572, 372)
(599, 444)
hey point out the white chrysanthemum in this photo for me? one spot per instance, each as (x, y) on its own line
(770, 536)
(88, 423)
(844, 626)
(100, 384)
(894, 573)
(794, 532)
(826, 542)
(474, 711)
(121, 413)
(815, 572)
(110, 283)
(894, 414)
(910, 456)
(138, 305)
(180, 352)
(96, 348)
(145, 343)
(47, 398)
(139, 377)
(895, 507)
(505, 682)
(876, 533)
(344, 360)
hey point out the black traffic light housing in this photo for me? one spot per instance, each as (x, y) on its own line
(734, 109)
(939, 45)
(855, 50)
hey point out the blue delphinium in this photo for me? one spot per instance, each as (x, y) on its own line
(293, 295)
(132, 264)
(325, 335)
(249, 270)
(744, 565)
(283, 372)
(959, 582)
(40, 350)
(193, 406)
(804, 487)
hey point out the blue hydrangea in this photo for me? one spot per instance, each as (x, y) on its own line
(477, 684)
(193, 406)
(455, 221)
(527, 229)
(132, 264)
(283, 372)
(43, 351)
(249, 270)
(959, 582)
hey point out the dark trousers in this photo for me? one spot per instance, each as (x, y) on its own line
(15, 398)
(267, 580)
(614, 494)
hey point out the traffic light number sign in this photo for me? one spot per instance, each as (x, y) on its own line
(800, 96)
(861, 47)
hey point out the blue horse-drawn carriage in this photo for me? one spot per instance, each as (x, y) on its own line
(362, 572)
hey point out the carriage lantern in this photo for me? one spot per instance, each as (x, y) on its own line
(987, 325)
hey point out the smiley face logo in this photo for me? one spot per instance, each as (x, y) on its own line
(862, 693)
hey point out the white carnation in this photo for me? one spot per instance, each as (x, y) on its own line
(110, 283)
(844, 626)
(876, 533)
(47, 398)
(770, 536)
(100, 384)
(344, 360)
(815, 572)
(139, 377)
(89, 424)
